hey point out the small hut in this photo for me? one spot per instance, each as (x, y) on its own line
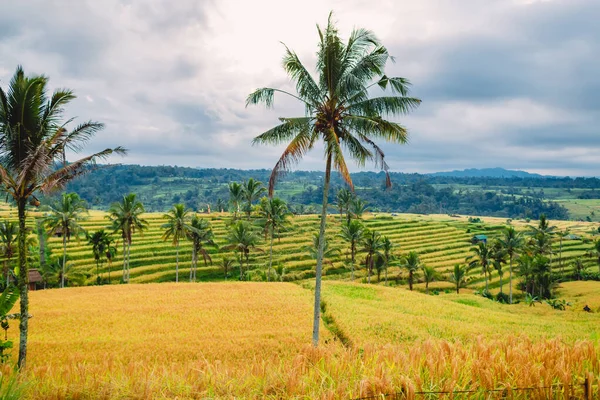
(479, 238)
(35, 278)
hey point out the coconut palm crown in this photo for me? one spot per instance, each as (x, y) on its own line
(338, 111)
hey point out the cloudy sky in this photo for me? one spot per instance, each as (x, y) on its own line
(508, 83)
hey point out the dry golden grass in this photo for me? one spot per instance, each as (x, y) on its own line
(250, 340)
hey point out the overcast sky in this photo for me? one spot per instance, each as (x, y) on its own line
(504, 83)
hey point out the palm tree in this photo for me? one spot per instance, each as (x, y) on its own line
(512, 243)
(176, 227)
(102, 248)
(273, 213)
(125, 217)
(199, 233)
(220, 205)
(55, 273)
(578, 268)
(481, 257)
(595, 252)
(387, 255)
(236, 195)
(338, 111)
(412, 263)
(357, 208)
(64, 219)
(344, 197)
(33, 137)
(352, 232)
(328, 252)
(372, 244)
(9, 231)
(544, 233)
(429, 274)
(498, 256)
(226, 264)
(243, 238)
(252, 190)
(458, 276)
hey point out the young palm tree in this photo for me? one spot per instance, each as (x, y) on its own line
(339, 112)
(498, 256)
(372, 244)
(252, 190)
(544, 234)
(199, 233)
(9, 231)
(176, 228)
(273, 213)
(226, 264)
(328, 252)
(33, 138)
(125, 217)
(429, 274)
(243, 238)
(220, 206)
(102, 249)
(481, 257)
(512, 243)
(344, 197)
(236, 196)
(412, 263)
(387, 255)
(357, 208)
(352, 232)
(64, 219)
(458, 277)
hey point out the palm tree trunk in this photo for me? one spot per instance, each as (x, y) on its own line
(500, 283)
(124, 259)
(241, 264)
(510, 280)
(369, 270)
(128, 258)
(177, 263)
(410, 280)
(23, 283)
(193, 257)
(319, 268)
(62, 279)
(426, 287)
(386, 275)
(486, 280)
(270, 256)
(352, 256)
(98, 272)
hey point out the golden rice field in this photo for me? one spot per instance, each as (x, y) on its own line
(251, 340)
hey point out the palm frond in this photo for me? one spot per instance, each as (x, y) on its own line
(284, 132)
(388, 105)
(293, 153)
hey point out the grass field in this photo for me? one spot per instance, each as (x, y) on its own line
(250, 340)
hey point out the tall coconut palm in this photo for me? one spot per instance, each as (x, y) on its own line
(176, 228)
(199, 233)
(125, 217)
(242, 238)
(372, 244)
(512, 243)
(273, 213)
(102, 249)
(236, 196)
(481, 257)
(64, 219)
(544, 234)
(352, 232)
(9, 231)
(343, 198)
(339, 112)
(33, 138)
(458, 276)
(252, 190)
(412, 264)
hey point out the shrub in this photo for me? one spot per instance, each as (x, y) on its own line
(502, 298)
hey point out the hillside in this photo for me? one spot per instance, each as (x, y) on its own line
(250, 340)
(487, 172)
(440, 240)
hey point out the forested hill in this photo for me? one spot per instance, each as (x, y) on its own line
(161, 186)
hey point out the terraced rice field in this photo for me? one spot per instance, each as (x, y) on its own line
(440, 240)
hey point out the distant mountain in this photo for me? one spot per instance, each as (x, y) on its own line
(487, 172)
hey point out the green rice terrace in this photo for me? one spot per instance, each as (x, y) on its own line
(441, 241)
